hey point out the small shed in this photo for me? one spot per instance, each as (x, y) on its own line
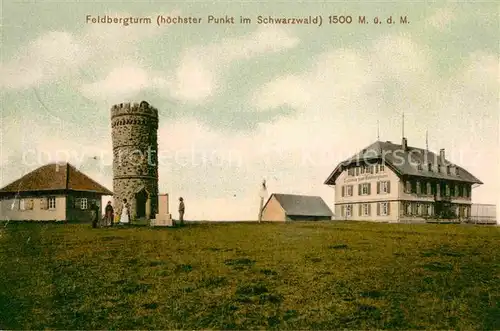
(291, 207)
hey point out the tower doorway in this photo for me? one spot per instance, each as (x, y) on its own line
(141, 199)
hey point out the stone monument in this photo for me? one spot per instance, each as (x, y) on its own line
(163, 218)
(134, 134)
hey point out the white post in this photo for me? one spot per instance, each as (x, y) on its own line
(260, 209)
(262, 194)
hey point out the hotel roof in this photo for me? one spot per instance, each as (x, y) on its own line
(405, 161)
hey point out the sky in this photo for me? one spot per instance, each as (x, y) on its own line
(242, 102)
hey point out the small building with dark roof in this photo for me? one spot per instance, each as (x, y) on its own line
(291, 207)
(53, 192)
(398, 183)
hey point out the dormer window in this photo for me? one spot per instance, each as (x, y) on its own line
(419, 167)
(448, 170)
(439, 168)
(429, 166)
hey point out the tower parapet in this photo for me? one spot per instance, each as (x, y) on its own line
(126, 113)
(135, 157)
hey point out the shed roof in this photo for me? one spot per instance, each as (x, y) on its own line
(302, 205)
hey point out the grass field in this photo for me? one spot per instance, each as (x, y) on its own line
(250, 276)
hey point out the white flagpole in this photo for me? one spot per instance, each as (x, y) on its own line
(263, 193)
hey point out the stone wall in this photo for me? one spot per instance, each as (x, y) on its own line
(135, 154)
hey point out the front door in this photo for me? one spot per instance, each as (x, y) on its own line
(141, 199)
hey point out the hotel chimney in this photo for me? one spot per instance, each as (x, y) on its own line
(404, 144)
(441, 155)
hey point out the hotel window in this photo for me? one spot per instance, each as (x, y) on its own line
(448, 170)
(348, 210)
(381, 167)
(383, 187)
(347, 190)
(414, 209)
(357, 171)
(418, 188)
(429, 189)
(366, 209)
(407, 187)
(364, 189)
(429, 167)
(384, 208)
(439, 168)
(457, 191)
(429, 210)
(84, 203)
(413, 187)
(22, 204)
(408, 208)
(376, 168)
(447, 190)
(456, 171)
(362, 171)
(51, 201)
(419, 167)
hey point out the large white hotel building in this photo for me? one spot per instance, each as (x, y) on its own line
(390, 182)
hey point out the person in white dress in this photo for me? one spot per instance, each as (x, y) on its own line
(125, 216)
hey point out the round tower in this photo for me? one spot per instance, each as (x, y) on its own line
(134, 132)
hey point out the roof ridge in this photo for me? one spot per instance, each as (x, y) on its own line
(298, 195)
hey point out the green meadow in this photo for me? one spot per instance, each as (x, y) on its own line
(325, 275)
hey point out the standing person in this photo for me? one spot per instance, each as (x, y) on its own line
(109, 214)
(125, 216)
(95, 214)
(181, 211)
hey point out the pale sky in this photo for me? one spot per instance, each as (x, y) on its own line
(281, 102)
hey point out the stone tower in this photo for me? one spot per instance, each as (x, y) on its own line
(134, 132)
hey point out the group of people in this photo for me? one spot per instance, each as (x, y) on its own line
(109, 213)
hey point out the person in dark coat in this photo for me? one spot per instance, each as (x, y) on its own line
(181, 211)
(95, 214)
(109, 214)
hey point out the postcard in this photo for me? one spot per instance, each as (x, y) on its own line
(321, 115)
